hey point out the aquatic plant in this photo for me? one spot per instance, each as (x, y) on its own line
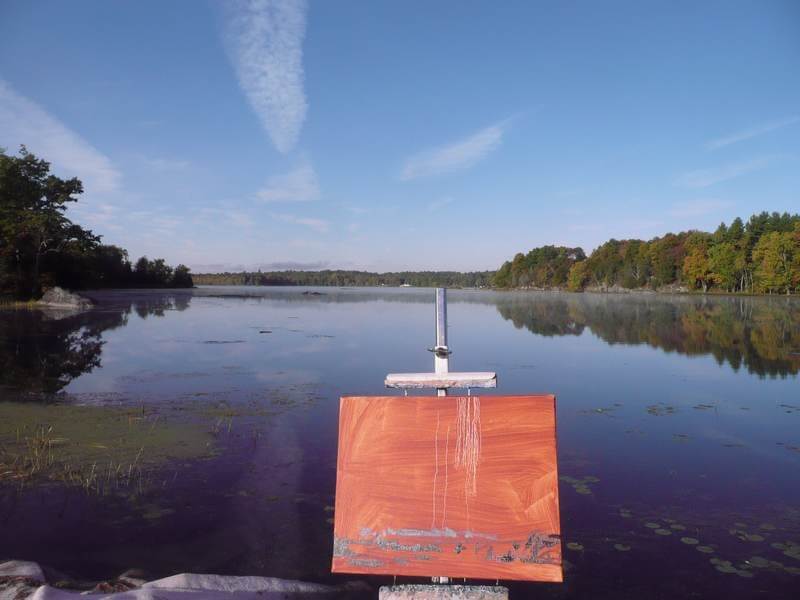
(581, 486)
(622, 547)
(575, 546)
(99, 449)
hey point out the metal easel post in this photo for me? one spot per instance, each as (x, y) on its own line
(441, 353)
(441, 359)
(442, 377)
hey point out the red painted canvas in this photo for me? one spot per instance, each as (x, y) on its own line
(448, 486)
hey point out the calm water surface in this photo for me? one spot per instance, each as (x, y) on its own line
(682, 412)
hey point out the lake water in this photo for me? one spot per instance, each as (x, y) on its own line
(196, 430)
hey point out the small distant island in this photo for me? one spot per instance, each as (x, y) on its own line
(341, 278)
(41, 248)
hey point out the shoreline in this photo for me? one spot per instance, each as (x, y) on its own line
(651, 292)
(678, 291)
(7, 305)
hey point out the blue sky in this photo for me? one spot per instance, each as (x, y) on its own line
(404, 135)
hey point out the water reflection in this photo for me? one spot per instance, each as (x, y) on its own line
(763, 335)
(42, 351)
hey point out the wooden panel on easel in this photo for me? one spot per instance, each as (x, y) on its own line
(451, 486)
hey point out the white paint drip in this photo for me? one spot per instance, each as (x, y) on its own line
(467, 455)
(468, 441)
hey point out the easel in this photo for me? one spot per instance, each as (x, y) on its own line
(466, 486)
(442, 380)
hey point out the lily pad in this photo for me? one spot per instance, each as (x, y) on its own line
(775, 564)
(582, 489)
(793, 553)
(726, 568)
(575, 546)
(153, 512)
(754, 537)
(677, 527)
(690, 541)
(622, 547)
(738, 533)
(652, 525)
(758, 561)
(704, 549)
(767, 527)
(779, 546)
(591, 479)
(744, 573)
(662, 532)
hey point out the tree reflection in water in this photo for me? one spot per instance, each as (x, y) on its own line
(761, 334)
(41, 351)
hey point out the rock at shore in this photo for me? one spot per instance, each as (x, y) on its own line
(61, 298)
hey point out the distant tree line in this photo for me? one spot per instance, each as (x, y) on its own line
(760, 256)
(350, 278)
(40, 247)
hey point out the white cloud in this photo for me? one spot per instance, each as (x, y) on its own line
(318, 225)
(265, 41)
(698, 208)
(752, 132)
(22, 121)
(299, 185)
(458, 155)
(705, 177)
(439, 204)
(233, 267)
